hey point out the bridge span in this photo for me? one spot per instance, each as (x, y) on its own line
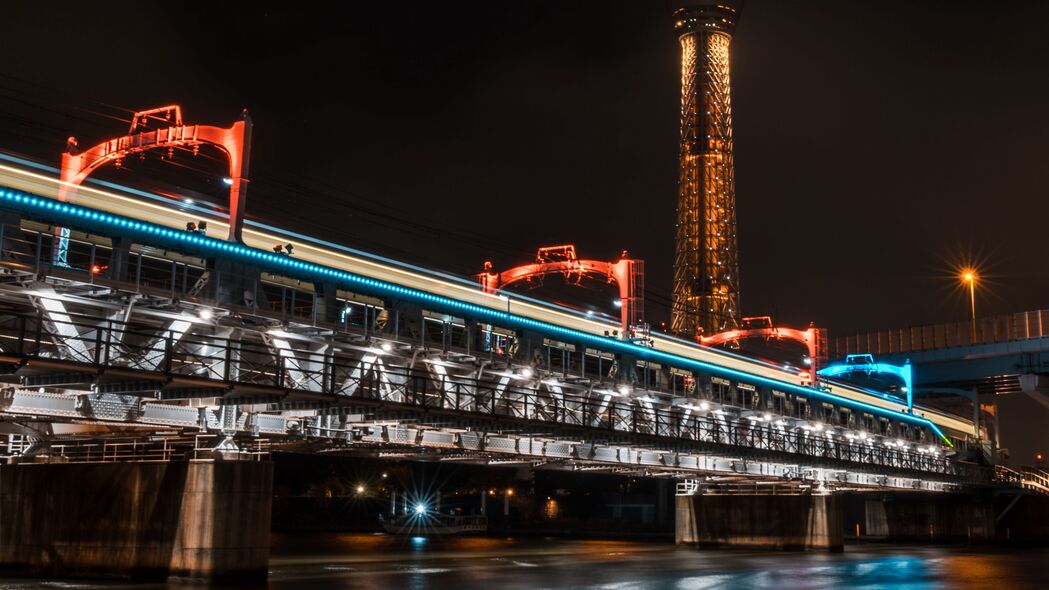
(148, 339)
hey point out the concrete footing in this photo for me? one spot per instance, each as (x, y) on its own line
(762, 521)
(204, 521)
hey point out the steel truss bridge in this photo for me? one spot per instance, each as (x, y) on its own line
(172, 339)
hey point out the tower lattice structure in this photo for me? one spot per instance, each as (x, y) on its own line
(706, 260)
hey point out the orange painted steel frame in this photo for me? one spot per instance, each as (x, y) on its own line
(563, 260)
(807, 337)
(234, 141)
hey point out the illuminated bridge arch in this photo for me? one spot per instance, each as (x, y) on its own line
(864, 363)
(234, 141)
(628, 275)
(762, 327)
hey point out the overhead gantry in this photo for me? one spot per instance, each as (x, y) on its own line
(234, 141)
(762, 327)
(865, 363)
(628, 274)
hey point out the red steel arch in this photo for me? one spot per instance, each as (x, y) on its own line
(627, 273)
(762, 327)
(235, 141)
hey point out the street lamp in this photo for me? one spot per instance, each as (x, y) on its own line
(969, 276)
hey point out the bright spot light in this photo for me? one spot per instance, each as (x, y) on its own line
(188, 201)
(510, 492)
(227, 181)
(384, 476)
(386, 347)
(617, 302)
(206, 314)
(360, 489)
(420, 509)
(526, 373)
(807, 361)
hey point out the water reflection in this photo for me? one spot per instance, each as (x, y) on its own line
(325, 561)
(467, 563)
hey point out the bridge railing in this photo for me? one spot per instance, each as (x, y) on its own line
(1028, 478)
(138, 449)
(1004, 328)
(215, 366)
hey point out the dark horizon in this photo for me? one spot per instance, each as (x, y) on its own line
(876, 150)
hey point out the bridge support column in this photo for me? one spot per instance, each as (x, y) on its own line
(207, 521)
(119, 258)
(10, 225)
(797, 522)
(936, 518)
(404, 320)
(529, 347)
(234, 283)
(326, 303)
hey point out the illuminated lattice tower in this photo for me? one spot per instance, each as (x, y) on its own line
(706, 262)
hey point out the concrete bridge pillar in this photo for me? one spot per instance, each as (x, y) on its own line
(201, 520)
(792, 522)
(936, 518)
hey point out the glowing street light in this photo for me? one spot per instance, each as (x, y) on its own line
(420, 509)
(969, 276)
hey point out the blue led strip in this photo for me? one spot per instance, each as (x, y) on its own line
(62, 213)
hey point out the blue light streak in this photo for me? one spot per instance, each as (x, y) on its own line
(51, 210)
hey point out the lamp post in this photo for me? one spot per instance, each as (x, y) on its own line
(970, 277)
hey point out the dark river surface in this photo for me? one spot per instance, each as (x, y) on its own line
(325, 561)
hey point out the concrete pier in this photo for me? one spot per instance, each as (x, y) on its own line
(937, 518)
(796, 522)
(201, 521)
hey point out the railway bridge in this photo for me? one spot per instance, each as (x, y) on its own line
(141, 353)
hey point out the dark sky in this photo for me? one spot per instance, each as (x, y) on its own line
(878, 145)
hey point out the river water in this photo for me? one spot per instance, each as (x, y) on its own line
(330, 561)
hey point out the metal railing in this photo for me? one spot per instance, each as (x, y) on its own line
(138, 449)
(1026, 325)
(1028, 478)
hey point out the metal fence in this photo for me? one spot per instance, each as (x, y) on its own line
(1006, 328)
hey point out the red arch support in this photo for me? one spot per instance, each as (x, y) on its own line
(761, 327)
(235, 141)
(628, 274)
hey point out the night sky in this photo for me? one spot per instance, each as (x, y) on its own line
(878, 145)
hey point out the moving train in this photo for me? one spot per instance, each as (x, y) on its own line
(40, 180)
